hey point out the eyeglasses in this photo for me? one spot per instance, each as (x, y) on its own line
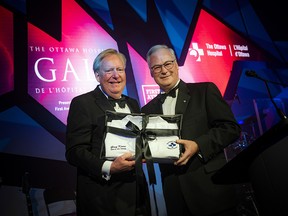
(167, 65)
(111, 70)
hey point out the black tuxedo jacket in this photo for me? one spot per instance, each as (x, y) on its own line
(85, 130)
(209, 121)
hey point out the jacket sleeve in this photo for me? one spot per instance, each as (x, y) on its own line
(222, 127)
(82, 143)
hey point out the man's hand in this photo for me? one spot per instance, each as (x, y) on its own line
(122, 163)
(191, 148)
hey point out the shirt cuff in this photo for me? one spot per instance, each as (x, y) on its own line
(106, 170)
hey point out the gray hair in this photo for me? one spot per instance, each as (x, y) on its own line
(157, 47)
(98, 60)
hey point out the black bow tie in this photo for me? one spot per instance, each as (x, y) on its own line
(121, 101)
(171, 93)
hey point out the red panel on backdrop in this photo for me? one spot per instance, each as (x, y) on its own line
(60, 70)
(213, 49)
(6, 51)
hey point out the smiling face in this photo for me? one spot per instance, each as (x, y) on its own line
(112, 76)
(164, 69)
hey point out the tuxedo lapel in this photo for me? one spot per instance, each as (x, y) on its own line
(134, 107)
(101, 100)
(183, 99)
(157, 109)
(104, 104)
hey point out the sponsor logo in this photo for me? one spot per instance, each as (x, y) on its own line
(172, 145)
(196, 52)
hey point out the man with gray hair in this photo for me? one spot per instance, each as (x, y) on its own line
(104, 187)
(208, 126)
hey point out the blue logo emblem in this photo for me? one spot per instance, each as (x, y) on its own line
(172, 145)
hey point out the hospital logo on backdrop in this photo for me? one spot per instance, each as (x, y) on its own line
(196, 52)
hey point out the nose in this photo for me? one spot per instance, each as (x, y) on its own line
(163, 69)
(115, 72)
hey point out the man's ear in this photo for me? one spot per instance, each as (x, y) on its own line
(97, 76)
